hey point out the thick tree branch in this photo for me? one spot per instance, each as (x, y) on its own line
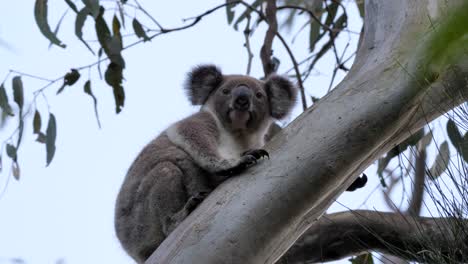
(344, 234)
(257, 216)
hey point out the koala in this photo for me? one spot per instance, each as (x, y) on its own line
(182, 165)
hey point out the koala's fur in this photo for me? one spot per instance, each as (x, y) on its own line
(179, 168)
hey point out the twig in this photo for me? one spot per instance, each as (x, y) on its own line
(250, 55)
(139, 7)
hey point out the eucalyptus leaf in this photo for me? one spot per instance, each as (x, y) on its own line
(79, 23)
(11, 152)
(114, 77)
(230, 11)
(15, 170)
(72, 5)
(51, 135)
(18, 93)
(441, 162)
(87, 89)
(40, 14)
(139, 31)
(69, 79)
(37, 122)
(363, 259)
(93, 6)
(4, 101)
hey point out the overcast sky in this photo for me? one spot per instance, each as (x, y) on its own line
(65, 211)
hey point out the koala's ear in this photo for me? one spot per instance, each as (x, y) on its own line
(201, 81)
(282, 95)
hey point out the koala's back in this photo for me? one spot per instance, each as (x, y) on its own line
(160, 169)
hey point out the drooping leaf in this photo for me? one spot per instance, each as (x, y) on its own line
(37, 122)
(11, 152)
(313, 34)
(93, 6)
(115, 44)
(102, 31)
(72, 5)
(70, 79)
(40, 14)
(246, 13)
(79, 23)
(51, 134)
(139, 31)
(458, 141)
(15, 170)
(18, 94)
(57, 27)
(230, 11)
(113, 77)
(441, 162)
(99, 62)
(453, 134)
(340, 23)
(363, 259)
(331, 12)
(360, 6)
(4, 101)
(87, 89)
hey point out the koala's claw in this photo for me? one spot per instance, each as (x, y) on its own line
(257, 153)
(195, 200)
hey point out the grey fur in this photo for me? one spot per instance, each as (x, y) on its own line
(181, 166)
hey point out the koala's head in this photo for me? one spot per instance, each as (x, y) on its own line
(240, 102)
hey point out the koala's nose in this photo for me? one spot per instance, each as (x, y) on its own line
(242, 96)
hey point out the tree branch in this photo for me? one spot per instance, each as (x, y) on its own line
(257, 216)
(266, 51)
(344, 234)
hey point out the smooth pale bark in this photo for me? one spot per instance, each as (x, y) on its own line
(345, 234)
(257, 216)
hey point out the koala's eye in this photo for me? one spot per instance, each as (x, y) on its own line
(259, 95)
(226, 91)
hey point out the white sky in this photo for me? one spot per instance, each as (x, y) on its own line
(66, 210)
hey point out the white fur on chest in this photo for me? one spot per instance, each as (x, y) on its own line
(228, 148)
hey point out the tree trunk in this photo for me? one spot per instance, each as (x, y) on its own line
(257, 216)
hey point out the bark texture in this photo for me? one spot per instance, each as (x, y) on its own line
(344, 234)
(257, 216)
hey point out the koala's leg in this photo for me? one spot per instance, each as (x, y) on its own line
(169, 197)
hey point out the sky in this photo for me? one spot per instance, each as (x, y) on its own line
(65, 211)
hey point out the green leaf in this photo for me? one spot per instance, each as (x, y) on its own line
(79, 23)
(230, 11)
(57, 27)
(331, 12)
(15, 170)
(37, 122)
(51, 134)
(4, 101)
(115, 44)
(247, 13)
(441, 162)
(11, 152)
(453, 134)
(40, 14)
(72, 5)
(113, 77)
(102, 31)
(69, 79)
(93, 6)
(363, 259)
(18, 94)
(313, 34)
(341, 23)
(360, 6)
(87, 89)
(139, 31)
